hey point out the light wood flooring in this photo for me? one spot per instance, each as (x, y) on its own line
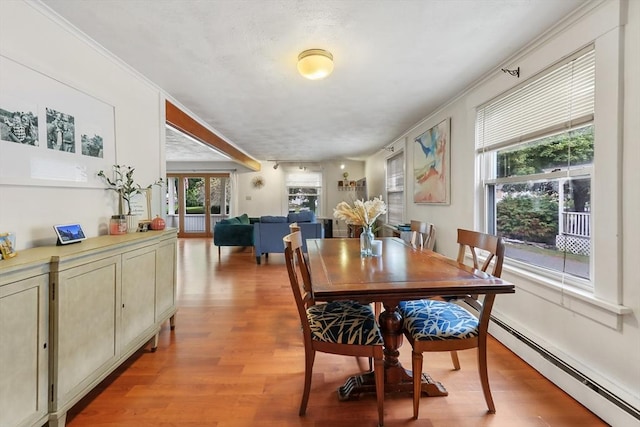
(235, 359)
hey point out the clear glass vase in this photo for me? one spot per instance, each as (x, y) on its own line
(366, 237)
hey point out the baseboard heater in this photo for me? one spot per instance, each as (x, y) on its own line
(571, 370)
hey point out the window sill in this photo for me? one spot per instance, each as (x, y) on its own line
(568, 296)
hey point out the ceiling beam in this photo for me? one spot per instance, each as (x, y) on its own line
(185, 123)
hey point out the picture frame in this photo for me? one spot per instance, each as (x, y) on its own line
(144, 226)
(67, 134)
(141, 204)
(7, 245)
(431, 165)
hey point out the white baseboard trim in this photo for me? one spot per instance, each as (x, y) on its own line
(608, 406)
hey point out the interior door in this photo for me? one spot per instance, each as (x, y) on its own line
(195, 202)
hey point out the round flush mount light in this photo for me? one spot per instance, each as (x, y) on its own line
(315, 64)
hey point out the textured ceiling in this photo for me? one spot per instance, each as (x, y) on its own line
(233, 63)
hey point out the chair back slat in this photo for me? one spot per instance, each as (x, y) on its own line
(492, 245)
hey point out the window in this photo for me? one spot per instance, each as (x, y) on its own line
(303, 191)
(395, 189)
(536, 151)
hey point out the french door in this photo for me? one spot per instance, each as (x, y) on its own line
(195, 202)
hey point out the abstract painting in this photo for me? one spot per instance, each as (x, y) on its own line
(431, 172)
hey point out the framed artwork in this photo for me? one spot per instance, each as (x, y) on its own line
(51, 134)
(7, 245)
(431, 161)
(141, 204)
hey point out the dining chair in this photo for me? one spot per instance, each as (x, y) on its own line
(338, 327)
(423, 235)
(436, 325)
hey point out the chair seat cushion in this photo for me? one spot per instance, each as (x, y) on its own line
(431, 320)
(344, 322)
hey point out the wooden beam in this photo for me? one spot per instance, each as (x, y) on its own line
(185, 123)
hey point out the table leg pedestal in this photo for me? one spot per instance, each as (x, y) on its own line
(365, 383)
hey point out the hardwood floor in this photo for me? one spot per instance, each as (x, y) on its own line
(236, 359)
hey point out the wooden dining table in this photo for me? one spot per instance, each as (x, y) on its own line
(402, 273)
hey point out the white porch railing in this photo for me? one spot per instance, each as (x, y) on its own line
(194, 223)
(576, 224)
(575, 233)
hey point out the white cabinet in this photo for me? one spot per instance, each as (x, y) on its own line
(70, 315)
(23, 342)
(166, 279)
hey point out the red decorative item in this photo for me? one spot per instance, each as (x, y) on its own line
(157, 223)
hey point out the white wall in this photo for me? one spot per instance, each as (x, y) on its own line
(33, 39)
(271, 199)
(585, 334)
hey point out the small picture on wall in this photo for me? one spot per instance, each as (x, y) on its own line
(61, 131)
(19, 125)
(92, 146)
(431, 170)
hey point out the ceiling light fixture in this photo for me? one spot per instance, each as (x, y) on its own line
(315, 64)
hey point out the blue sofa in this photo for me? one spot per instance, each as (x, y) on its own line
(236, 231)
(269, 231)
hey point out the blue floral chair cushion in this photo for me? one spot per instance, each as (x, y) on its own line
(344, 322)
(431, 320)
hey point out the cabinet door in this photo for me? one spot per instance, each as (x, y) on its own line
(138, 295)
(84, 305)
(165, 279)
(23, 352)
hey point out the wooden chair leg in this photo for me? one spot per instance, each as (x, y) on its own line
(484, 376)
(455, 360)
(218, 253)
(416, 366)
(309, 356)
(378, 373)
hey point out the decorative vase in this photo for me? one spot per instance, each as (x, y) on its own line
(366, 237)
(132, 223)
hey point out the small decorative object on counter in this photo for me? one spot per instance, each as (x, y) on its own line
(118, 224)
(7, 245)
(157, 223)
(144, 226)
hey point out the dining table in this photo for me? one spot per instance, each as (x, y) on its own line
(401, 273)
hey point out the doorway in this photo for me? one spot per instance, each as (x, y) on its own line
(196, 202)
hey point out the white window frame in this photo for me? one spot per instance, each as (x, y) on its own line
(301, 179)
(604, 302)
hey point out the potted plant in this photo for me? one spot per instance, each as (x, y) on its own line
(124, 185)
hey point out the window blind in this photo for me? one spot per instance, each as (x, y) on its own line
(561, 99)
(303, 179)
(395, 189)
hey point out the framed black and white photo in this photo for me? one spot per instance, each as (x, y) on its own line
(51, 134)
